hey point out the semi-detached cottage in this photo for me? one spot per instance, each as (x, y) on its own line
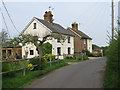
(44, 27)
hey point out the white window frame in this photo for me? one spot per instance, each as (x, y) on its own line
(84, 41)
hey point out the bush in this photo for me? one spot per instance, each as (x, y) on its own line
(97, 54)
(37, 61)
(8, 67)
(112, 78)
(47, 48)
(85, 57)
(90, 55)
(47, 57)
(69, 57)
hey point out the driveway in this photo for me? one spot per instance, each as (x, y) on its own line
(87, 74)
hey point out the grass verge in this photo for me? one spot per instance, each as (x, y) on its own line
(20, 81)
(74, 60)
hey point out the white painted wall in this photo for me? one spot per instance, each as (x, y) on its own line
(42, 31)
(64, 46)
(27, 48)
(89, 45)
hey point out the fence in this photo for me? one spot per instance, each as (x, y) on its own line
(24, 63)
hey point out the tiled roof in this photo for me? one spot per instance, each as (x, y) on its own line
(55, 28)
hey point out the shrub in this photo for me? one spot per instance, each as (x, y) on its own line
(47, 57)
(8, 67)
(47, 48)
(37, 61)
(30, 67)
(85, 57)
(112, 78)
(90, 55)
(97, 54)
(69, 57)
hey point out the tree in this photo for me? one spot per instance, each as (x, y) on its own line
(37, 41)
(3, 36)
(47, 48)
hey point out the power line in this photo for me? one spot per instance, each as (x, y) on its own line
(10, 17)
(5, 23)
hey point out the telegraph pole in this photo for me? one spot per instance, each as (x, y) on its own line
(112, 19)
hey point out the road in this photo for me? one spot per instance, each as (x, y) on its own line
(87, 74)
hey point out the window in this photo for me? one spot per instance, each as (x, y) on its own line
(68, 50)
(84, 41)
(58, 40)
(31, 52)
(9, 52)
(68, 39)
(4, 53)
(59, 50)
(34, 27)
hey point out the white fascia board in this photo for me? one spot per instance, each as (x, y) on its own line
(43, 25)
(27, 26)
(75, 33)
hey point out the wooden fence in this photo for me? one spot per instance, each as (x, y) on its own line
(24, 61)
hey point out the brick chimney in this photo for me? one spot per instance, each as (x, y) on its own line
(48, 16)
(75, 26)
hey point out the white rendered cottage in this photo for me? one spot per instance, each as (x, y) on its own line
(44, 27)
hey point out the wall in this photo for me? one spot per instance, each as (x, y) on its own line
(89, 45)
(64, 46)
(79, 42)
(42, 31)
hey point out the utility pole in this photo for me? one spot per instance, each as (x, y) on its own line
(112, 19)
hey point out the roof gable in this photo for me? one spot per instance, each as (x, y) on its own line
(55, 28)
(80, 34)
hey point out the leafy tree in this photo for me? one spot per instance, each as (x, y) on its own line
(47, 48)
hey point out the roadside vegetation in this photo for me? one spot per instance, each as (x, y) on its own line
(17, 80)
(112, 72)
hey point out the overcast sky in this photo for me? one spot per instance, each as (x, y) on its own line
(94, 18)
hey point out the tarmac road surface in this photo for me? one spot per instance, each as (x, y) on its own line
(87, 74)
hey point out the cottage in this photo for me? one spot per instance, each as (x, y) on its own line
(45, 27)
(81, 40)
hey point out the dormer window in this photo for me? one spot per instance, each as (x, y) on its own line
(34, 26)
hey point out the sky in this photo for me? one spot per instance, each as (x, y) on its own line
(94, 18)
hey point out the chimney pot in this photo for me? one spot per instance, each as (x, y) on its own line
(48, 16)
(75, 26)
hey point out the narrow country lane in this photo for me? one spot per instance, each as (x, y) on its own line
(87, 74)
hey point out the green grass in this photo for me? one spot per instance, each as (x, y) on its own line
(73, 60)
(20, 81)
